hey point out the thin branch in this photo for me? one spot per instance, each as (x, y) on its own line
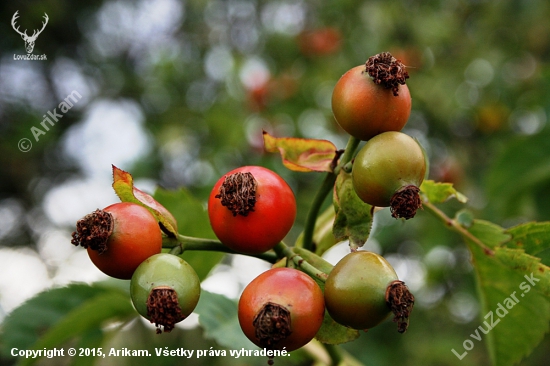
(457, 227)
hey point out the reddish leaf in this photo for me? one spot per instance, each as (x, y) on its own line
(123, 184)
(303, 155)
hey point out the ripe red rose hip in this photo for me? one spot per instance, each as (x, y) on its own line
(281, 308)
(118, 238)
(362, 290)
(372, 98)
(251, 209)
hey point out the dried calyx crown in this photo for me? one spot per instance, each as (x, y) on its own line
(238, 193)
(387, 71)
(401, 301)
(272, 324)
(163, 308)
(405, 202)
(93, 231)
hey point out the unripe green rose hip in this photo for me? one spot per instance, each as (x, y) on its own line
(165, 289)
(388, 171)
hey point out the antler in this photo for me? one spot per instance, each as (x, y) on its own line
(43, 26)
(13, 19)
(24, 34)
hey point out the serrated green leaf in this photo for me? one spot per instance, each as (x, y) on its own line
(218, 317)
(518, 260)
(123, 184)
(436, 192)
(192, 220)
(92, 314)
(510, 294)
(534, 238)
(52, 317)
(303, 155)
(353, 216)
(490, 234)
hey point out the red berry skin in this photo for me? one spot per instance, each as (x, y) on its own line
(364, 109)
(273, 216)
(292, 289)
(136, 236)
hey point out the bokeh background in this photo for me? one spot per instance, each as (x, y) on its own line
(178, 92)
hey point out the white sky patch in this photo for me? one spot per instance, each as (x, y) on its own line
(67, 77)
(23, 82)
(66, 203)
(78, 268)
(112, 132)
(137, 26)
(219, 63)
(284, 17)
(23, 275)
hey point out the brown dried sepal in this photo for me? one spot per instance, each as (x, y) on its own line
(387, 71)
(238, 193)
(163, 308)
(93, 231)
(272, 324)
(405, 202)
(401, 301)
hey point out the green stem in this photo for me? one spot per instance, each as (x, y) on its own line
(324, 190)
(352, 145)
(177, 250)
(300, 262)
(456, 226)
(334, 352)
(208, 245)
(314, 209)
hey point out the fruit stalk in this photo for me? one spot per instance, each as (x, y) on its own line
(283, 250)
(208, 245)
(324, 190)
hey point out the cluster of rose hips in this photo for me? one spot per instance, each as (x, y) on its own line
(251, 209)
(373, 103)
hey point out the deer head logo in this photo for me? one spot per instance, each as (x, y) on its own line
(29, 41)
